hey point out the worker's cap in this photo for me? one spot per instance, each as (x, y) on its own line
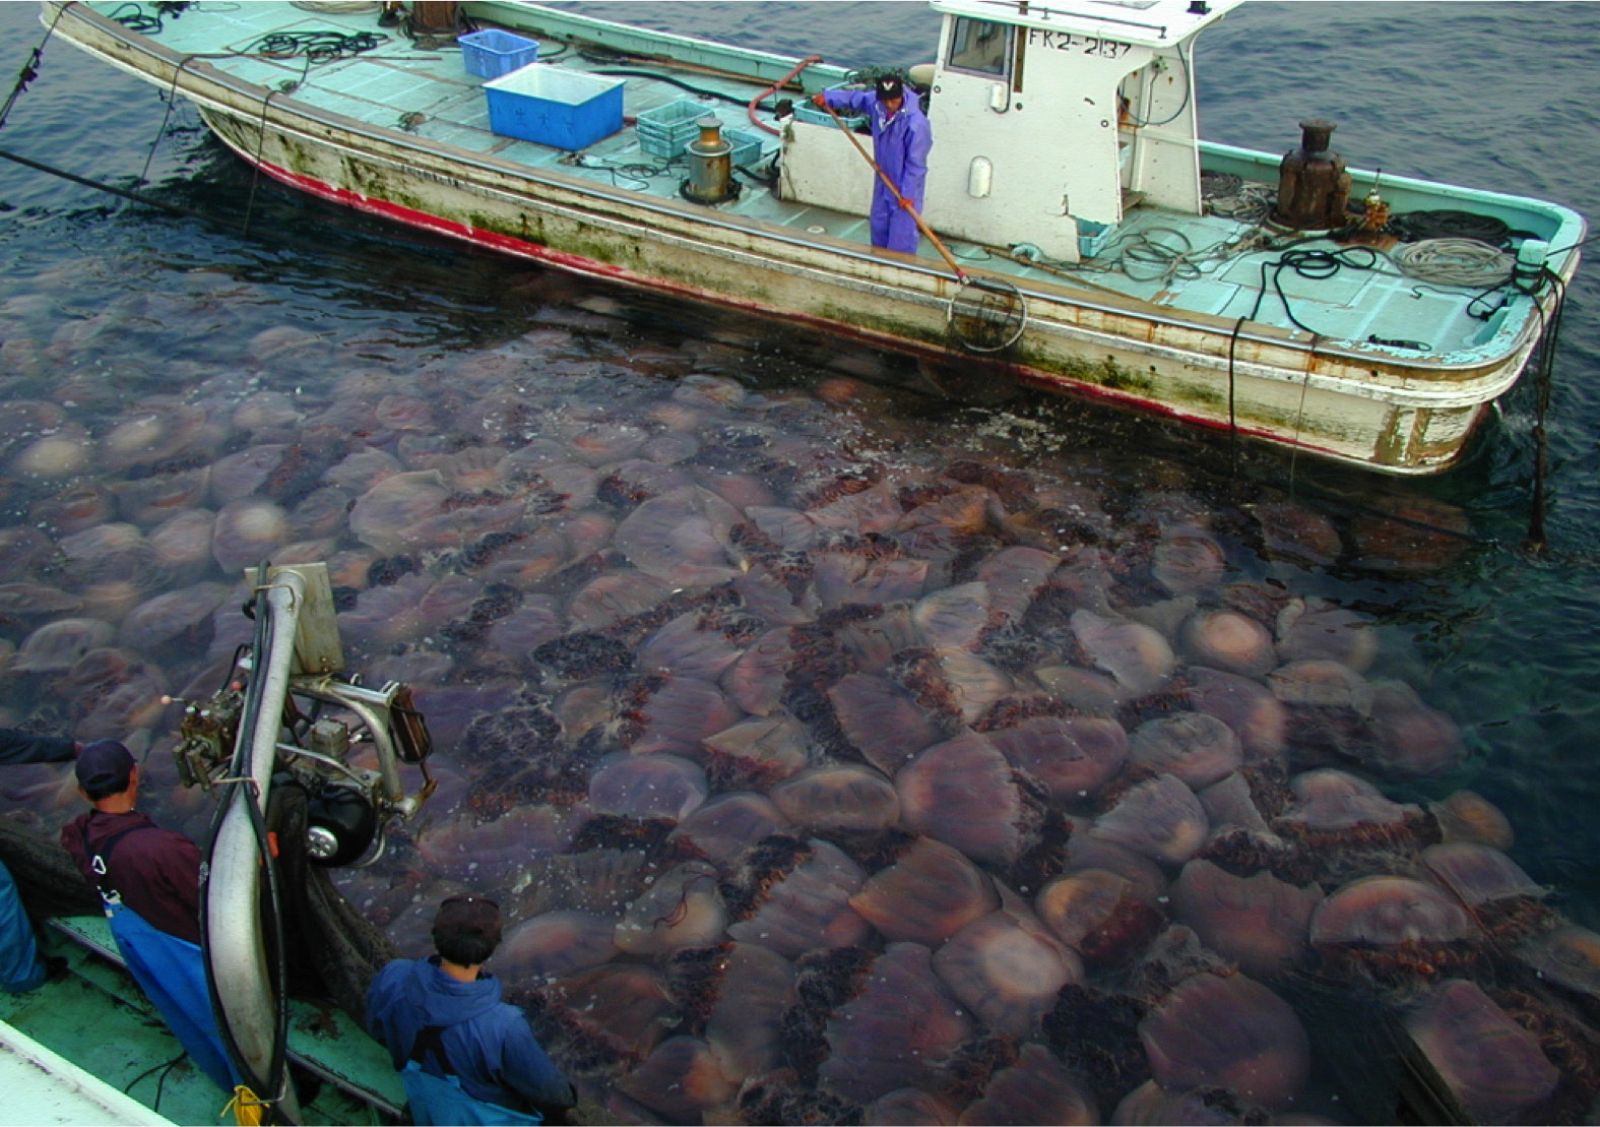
(467, 917)
(890, 87)
(104, 768)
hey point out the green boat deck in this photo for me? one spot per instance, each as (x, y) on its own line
(96, 1017)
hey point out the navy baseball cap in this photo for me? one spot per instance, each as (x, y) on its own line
(890, 86)
(104, 768)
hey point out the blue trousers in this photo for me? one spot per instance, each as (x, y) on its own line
(441, 1099)
(172, 973)
(892, 225)
(20, 967)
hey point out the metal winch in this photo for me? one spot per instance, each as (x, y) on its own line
(340, 741)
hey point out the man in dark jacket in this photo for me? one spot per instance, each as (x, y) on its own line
(149, 881)
(463, 1054)
(21, 968)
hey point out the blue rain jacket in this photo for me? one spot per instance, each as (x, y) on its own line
(20, 967)
(900, 144)
(492, 1065)
(172, 973)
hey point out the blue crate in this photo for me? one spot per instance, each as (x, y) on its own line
(1093, 237)
(562, 108)
(746, 147)
(665, 130)
(492, 53)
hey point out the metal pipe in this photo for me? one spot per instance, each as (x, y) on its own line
(236, 951)
(750, 110)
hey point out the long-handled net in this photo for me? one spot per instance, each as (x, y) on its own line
(986, 314)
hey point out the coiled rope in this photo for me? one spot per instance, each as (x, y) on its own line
(1454, 262)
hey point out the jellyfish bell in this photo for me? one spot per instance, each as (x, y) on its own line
(57, 646)
(1006, 973)
(1492, 1067)
(1072, 756)
(727, 825)
(554, 945)
(1256, 716)
(1194, 747)
(846, 798)
(896, 1031)
(1104, 917)
(882, 720)
(681, 909)
(1188, 559)
(1228, 640)
(1465, 815)
(246, 532)
(930, 892)
(793, 897)
(1413, 739)
(744, 1027)
(1393, 928)
(1259, 921)
(1037, 1088)
(962, 792)
(77, 507)
(1135, 655)
(175, 616)
(1160, 818)
(1317, 629)
(1228, 1032)
(648, 786)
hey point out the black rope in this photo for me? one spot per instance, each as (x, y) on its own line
(1315, 264)
(1550, 331)
(1233, 422)
(136, 197)
(317, 47)
(255, 178)
(30, 69)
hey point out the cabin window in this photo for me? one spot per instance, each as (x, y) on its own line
(980, 46)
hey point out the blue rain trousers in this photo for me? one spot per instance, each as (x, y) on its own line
(21, 969)
(172, 973)
(900, 145)
(440, 1099)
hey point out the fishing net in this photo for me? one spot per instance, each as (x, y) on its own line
(987, 315)
(333, 952)
(50, 883)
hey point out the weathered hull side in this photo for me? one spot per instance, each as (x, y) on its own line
(1279, 386)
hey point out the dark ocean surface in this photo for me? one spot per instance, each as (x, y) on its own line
(110, 310)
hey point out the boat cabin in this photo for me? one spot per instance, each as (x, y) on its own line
(1049, 121)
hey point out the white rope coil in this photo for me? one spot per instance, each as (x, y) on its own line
(1454, 262)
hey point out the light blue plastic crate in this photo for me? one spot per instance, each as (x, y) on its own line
(492, 52)
(665, 130)
(1093, 237)
(561, 108)
(746, 147)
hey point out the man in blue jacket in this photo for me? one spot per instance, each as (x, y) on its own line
(463, 1054)
(901, 140)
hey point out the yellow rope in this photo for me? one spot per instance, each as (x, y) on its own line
(248, 1110)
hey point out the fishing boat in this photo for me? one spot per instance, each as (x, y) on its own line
(1078, 233)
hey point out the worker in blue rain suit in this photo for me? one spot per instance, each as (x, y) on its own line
(21, 968)
(149, 881)
(901, 140)
(463, 1054)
